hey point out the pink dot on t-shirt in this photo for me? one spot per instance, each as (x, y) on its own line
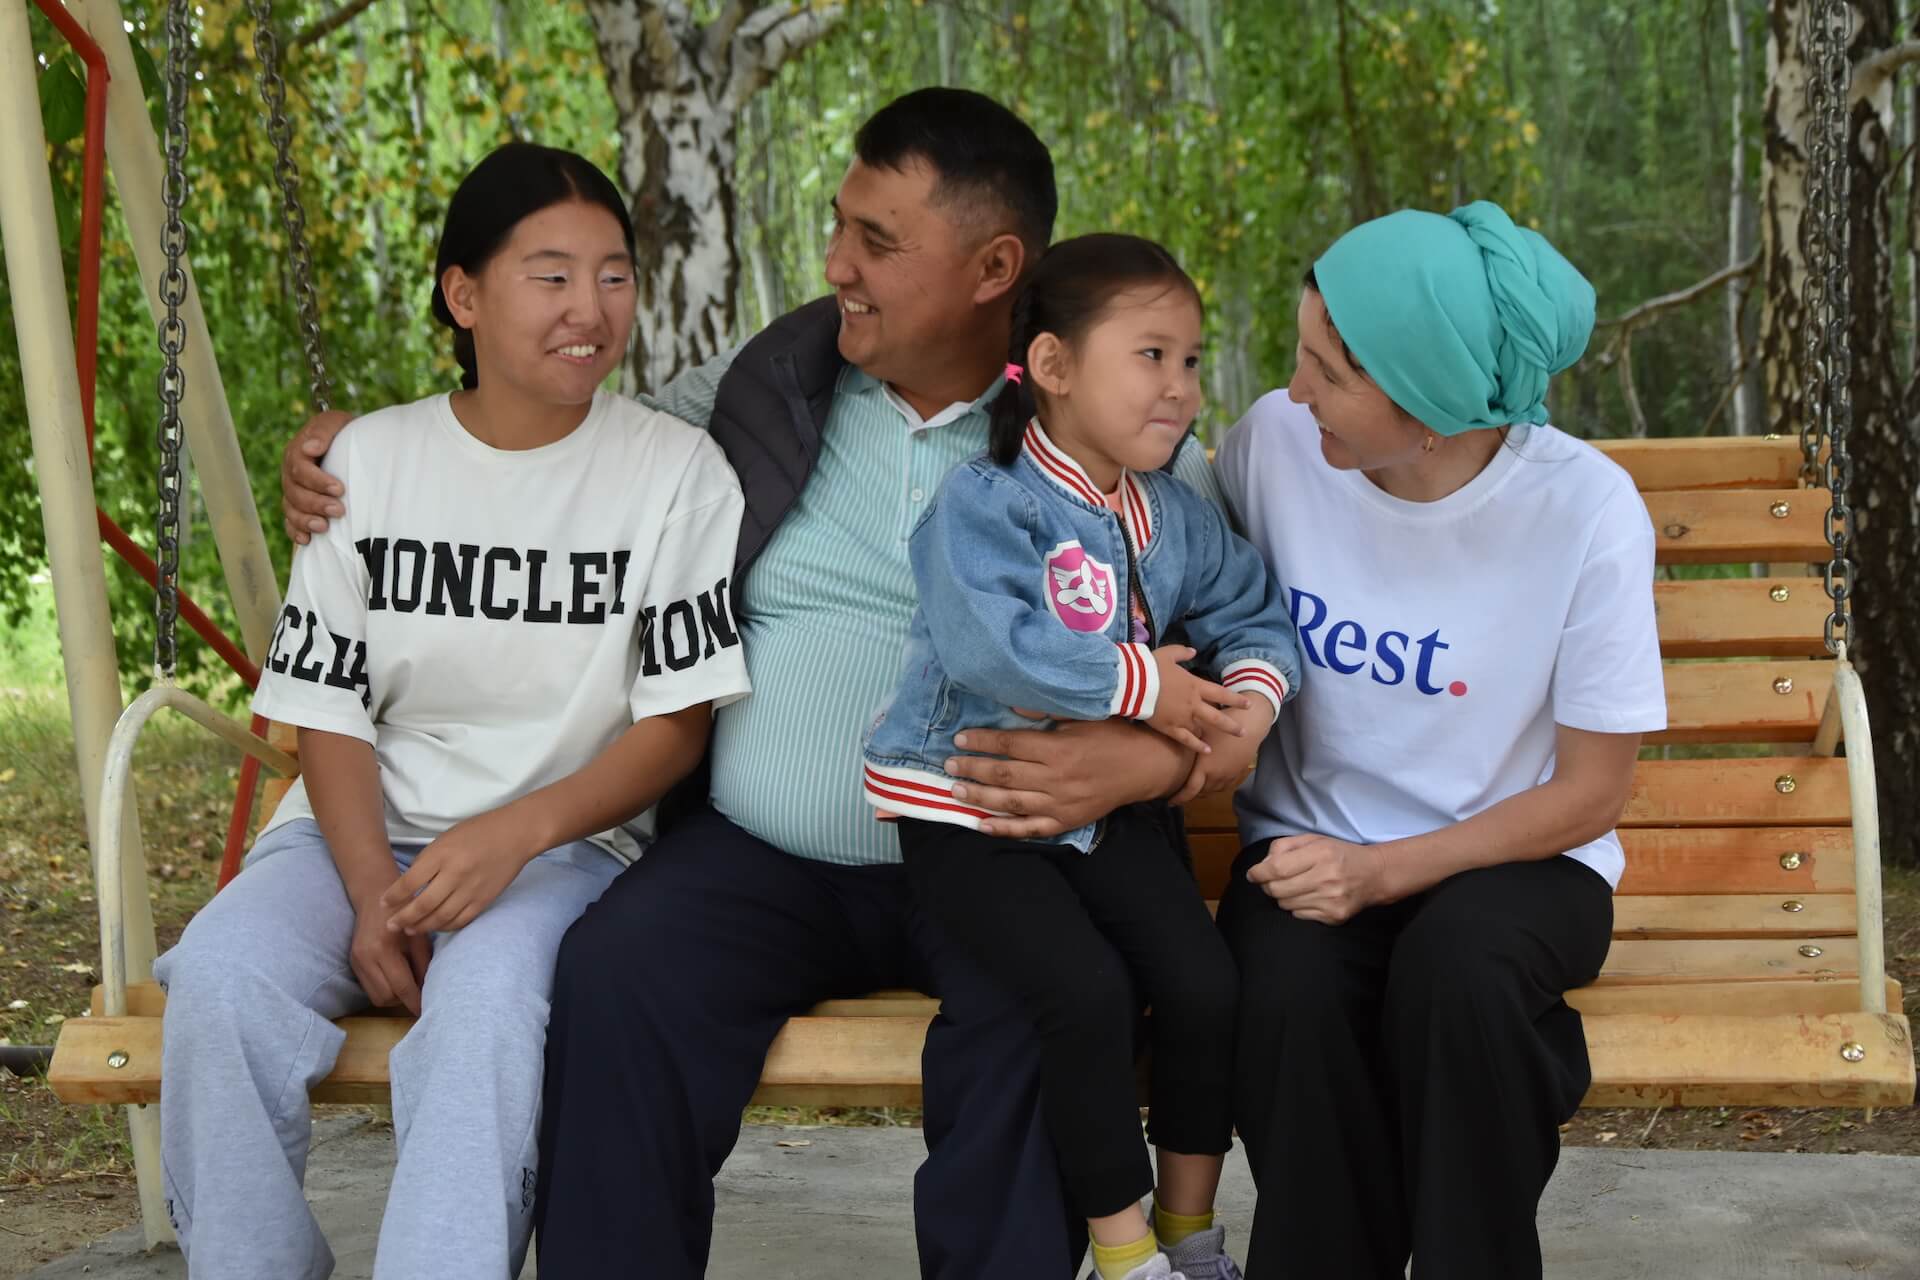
(1458, 689)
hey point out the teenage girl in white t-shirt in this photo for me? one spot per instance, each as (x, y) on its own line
(1429, 848)
(498, 660)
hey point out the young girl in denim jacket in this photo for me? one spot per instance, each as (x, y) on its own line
(1050, 572)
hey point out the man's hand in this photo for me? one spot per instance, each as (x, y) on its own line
(459, 875)
(1055, 781)
(1320, 878)
(309, 497)
(389, 966)
(1188, 706)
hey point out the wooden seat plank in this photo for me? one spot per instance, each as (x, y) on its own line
(1785, 791)
(1735, 526)
(1696, 462)
(1788, 995)
(1734, 915)
(1710, 702)
(1740, 618)
(1684, 793)
(1784, 860)
(1706, 1060)
(1638, 1059)
(1632, 961)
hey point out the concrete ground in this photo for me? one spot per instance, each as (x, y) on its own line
(795, 1204)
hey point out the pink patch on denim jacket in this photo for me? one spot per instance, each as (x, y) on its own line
(1079, 589)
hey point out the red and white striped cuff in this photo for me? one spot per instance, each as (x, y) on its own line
(1250, 675)
(917, 793)
(1138, 689)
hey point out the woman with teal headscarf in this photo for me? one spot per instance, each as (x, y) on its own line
(1429, 854)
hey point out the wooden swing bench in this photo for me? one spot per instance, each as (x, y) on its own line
(1746, 966)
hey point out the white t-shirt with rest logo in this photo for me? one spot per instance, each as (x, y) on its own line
(1443, 641)
(491, 620)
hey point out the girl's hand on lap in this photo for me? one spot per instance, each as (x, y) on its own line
(390, 967)
(1322, 879)
(1189, 706)
(459, 875)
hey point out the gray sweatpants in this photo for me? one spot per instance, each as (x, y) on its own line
(251, 991)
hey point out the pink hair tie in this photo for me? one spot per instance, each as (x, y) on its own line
(1013, 374)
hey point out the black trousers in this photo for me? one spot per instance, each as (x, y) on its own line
(1082, 940)
(667, 993)
(1402, 1077)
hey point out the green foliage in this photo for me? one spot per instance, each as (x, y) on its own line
(1244, 134)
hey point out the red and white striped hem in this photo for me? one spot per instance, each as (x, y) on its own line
(1250, 675)
(1134, 498)
(1137, 691)
(918, 793)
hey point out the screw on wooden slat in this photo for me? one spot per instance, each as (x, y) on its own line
(1791, 861)
(1781, 510)
(1793, 905)
(1780, 595)
(118, 1059)
(1812, 952)
(1853, 1051)
(1675, 531)
(1785, 784)
(1784, 684)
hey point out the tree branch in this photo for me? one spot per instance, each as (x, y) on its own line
(1872, 74)
(321, 28)
(767, 39)
(1681, 297)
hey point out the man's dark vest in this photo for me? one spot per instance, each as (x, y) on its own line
(768, 416)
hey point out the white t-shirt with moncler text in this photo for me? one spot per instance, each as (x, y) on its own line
(1443, 641)
(491, 620)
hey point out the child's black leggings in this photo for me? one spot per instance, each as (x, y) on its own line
(1083, 941)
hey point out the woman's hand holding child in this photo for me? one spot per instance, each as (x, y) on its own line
(1189, 706)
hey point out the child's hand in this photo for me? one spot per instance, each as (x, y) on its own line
(1189, 706)
(1227, 765)
(458, 876)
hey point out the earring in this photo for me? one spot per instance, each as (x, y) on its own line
(1431, 441)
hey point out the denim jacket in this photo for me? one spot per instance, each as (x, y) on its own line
(1025, 578)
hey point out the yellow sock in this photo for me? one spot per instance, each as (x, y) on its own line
(1172, 1228)
(1113, 1261)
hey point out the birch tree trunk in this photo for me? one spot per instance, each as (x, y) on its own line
(1745, 409)
(1885, 493)
(679, 86)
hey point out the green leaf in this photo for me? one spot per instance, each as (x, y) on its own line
(63, 102)
(152, 87)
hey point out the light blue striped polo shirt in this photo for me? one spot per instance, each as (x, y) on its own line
(825, 612)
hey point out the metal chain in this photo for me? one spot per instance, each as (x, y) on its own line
(173, 340)
(1829, 298)
(273, 91)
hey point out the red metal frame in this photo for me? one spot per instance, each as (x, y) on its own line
(86, 342)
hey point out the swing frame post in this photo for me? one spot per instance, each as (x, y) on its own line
(134, 159)
(56, 422)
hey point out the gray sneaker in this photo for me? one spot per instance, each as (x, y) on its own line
(1155, 1268)
(1203, 1256)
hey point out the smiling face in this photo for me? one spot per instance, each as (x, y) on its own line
(913, 275)
(1124, 393)
(552, 309)
(1360, 428)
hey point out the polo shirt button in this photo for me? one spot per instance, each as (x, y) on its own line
(917, 494)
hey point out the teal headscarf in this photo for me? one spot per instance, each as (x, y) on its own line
(1461, 319)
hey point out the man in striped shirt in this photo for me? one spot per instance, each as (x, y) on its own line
(785, 891)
